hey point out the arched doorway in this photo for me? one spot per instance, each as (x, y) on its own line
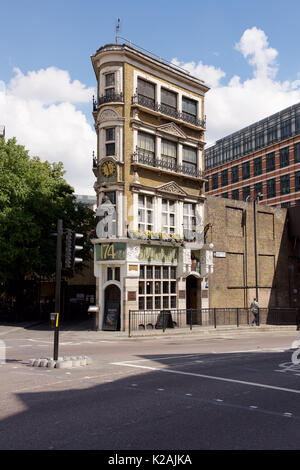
(112, 297)
(193, 299)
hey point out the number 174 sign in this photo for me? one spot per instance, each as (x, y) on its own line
(110, 251)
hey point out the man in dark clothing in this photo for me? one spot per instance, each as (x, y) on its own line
(254, 309)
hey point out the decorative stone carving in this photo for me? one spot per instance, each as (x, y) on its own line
(133, 252)
(171, 128)
(172, 188)
(109, 114)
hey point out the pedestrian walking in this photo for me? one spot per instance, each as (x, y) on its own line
(254, 309)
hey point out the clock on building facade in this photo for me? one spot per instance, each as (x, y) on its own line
(108, 169)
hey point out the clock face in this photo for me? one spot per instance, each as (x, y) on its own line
(108, 169)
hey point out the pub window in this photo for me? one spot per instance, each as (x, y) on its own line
(207, 185)
(159, 289)
(169, 152)
(168, 216)
(189, 159)
(110, 144)
(145, 213)
(109, 87)
(146, 147)
(189, 109)
(189, 220)
(168, 101)
(109, 200)
(146, 93)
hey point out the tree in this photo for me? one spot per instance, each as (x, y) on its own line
(33, 195)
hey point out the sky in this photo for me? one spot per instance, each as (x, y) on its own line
(247, 52)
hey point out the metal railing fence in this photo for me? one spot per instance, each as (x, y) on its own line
(208, 317)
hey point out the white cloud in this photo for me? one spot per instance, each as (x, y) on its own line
(49, 85)
(210, 74)
(42, 116)
(237, 104)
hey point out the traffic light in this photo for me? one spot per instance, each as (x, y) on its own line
(71, 248)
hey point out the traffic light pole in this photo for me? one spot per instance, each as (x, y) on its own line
(58, 284)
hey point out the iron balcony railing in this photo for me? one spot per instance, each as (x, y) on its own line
(111, 97)
(208, 317)
(168, 110)
(144, 158)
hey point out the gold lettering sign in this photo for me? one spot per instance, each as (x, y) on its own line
(158, 254)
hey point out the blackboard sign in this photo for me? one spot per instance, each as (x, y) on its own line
(164, 320)
(112, 317)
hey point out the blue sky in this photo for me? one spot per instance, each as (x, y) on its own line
(240, 48)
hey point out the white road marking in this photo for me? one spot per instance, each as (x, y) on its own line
(210, 377)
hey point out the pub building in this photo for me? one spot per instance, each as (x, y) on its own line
(149, 251)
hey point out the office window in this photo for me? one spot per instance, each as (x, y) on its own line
(189, 109)
(235, 174)
(286, 129)
(284, 184)
(146, 146)
(235, 194)
(247, 144)
(271, 188)
(207, 185)
(259, 139)
(258, 189)
(225, 195)
(272, 134)
(226, 153)
(168, 216)
(246, 170)
(145, 213)
(169, 152)
(224, 177)
(215, 181)
(297, 152)
(110, 141)
(297, 124)
(257, 166)
(297, 181)
(189, 159)
(146, 93)
(285, 204)
(284, 157)
(271, 161)
(236, 149)
(246, 192)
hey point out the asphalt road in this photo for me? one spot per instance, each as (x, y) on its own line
(224, 391)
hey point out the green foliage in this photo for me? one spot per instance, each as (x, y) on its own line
(33, 195)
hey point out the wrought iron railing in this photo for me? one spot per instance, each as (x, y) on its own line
(208, 317)
(168, 110)
(111, 97)
(144, 158)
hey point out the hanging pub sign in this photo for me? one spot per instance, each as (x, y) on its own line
(158, 254)
(110, 251)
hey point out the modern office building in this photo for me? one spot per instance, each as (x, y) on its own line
(150, 124)
(263, 158)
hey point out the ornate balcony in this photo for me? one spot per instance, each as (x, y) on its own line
(111, 97)
(149, 103)
(145, 159)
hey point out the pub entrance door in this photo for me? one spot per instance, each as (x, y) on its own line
(193, 299)
(112, 320)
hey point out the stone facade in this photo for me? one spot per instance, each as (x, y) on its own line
(233, 283)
